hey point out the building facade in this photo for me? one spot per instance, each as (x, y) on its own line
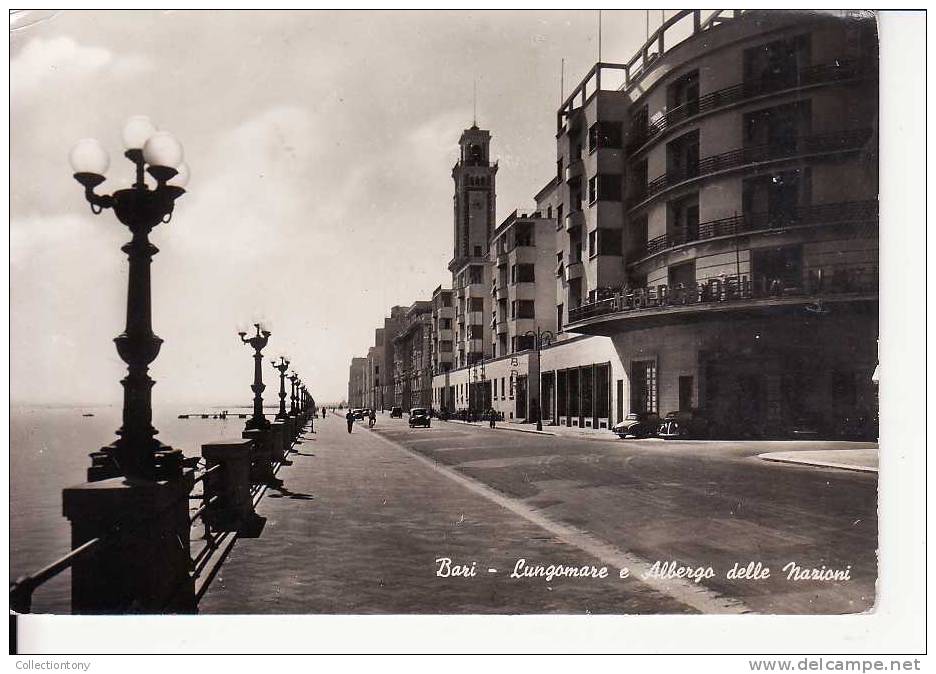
(412, 371)
(474, 202)
(708, 243)
(356, 385)
(740, 167)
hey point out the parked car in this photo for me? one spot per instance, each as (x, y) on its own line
(358, 413)
(638, 425)
(366, 412)
(685, 425)
(419, 416)
(396, 412)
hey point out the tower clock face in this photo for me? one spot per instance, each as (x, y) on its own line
(474, 152)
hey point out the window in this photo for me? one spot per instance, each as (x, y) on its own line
(683, 215)
(476, 331)
(475, 273)
(643, 386)
(522, 309)
(604, 134)
(523, 234)
(446, 323)
(682, 96)
(525, 273)
(682, 156)
(777, 127)
(638, 184)
(783, 265)
(559, 169)
(779, 194)
(559, 308)
(776, 64)
(503, 390)
(559, 216)
(476, 304)
(639, 119)
(604, 187)
(593, 243)
(684, 274)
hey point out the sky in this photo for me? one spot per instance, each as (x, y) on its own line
(320, 146)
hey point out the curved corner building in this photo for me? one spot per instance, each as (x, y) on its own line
(717, 228)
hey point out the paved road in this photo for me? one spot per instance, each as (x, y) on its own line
(359, 525)
(695, 503)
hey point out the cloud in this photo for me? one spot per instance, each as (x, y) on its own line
(44, 63)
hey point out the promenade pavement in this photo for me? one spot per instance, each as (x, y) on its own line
(358, 527)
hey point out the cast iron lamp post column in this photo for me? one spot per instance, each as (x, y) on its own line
(293, 408)
(282, 366)
(541, 337)
(257, 343)
(137, 453)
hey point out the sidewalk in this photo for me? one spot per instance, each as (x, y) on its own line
(863, 460)
(358, 526)
(567, 431)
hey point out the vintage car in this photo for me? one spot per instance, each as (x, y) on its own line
(419, 416)
(396, 412)
(685, 425)
(358, 413)
(638, 425)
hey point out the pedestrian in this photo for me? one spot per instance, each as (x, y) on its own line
(323, 411)
(372, 419)
(491, 414)
(350, 419)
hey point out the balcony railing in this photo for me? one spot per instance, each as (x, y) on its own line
(726, 289)
(840, 141)
(847, 211)
(818, 74)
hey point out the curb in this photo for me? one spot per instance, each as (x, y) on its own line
(820, 464)
(502, 428)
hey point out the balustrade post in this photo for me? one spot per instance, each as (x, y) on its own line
(142, 564)
(261, 465)
(233, 508)
(278, 441)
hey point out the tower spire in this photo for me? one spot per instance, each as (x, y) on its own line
(474, 104)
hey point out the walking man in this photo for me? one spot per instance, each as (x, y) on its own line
(372, 419)
(350, 419)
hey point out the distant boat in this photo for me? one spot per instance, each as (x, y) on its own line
(87, 414)
(183, 416)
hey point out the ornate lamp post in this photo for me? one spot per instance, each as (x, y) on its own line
(293, 407)
(257, 343)
(140, 207)
(541, 338)
(282, 366)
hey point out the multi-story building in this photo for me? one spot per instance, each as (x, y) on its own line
(715, 232)
(356, 387)
(724, 199)
(412, 371)
(523, 254)
(474, 177)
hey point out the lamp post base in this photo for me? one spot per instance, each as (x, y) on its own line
(142, 564)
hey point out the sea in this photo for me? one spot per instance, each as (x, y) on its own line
(49, 448)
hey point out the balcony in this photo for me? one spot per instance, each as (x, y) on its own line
(574, 170)
(828, 143)
(574, 270)
(814, 75)
(801, 216)
(574, 219)
(714, 297)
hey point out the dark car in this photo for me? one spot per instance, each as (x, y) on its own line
(685, 425)
(419, 416)
(396, 412)
(638, 425)
(358, 414)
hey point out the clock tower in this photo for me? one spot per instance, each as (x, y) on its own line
(473, 205)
